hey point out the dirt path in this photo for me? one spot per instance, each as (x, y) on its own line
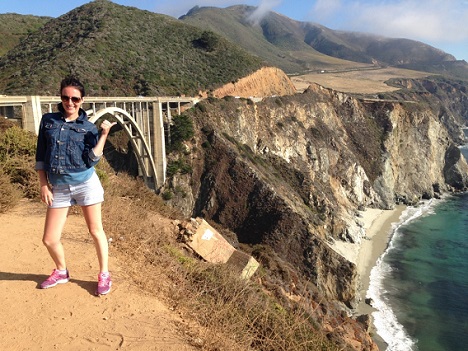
(70, 316)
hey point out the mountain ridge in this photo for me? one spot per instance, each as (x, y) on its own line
(325, 47)
(126, 62)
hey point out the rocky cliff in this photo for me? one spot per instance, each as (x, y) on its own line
(289, 173)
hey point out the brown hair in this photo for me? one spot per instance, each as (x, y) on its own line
(72, 81)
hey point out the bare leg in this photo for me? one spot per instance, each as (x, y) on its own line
(54, 223)
(92, 215)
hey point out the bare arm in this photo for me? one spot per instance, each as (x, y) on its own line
(106, 126)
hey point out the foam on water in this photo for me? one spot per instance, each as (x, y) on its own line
(385, 320)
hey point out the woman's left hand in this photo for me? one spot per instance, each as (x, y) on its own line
(106, 126)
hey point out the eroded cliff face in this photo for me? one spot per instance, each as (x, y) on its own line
(267, 81)
(289, 173)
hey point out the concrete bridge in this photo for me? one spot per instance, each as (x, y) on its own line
(142, 118)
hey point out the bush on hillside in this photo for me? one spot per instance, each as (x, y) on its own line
(17, 152)
(181, 130)
(9, 193)
(208, 41)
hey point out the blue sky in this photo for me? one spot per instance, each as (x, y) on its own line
(440, 23)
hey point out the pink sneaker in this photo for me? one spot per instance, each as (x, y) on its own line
(104, 284)
(55, 278)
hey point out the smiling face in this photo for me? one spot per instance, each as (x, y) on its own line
(71, 102)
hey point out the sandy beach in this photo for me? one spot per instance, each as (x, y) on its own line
(378, 228)
(377, 225)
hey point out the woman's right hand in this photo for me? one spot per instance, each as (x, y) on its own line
(46, 195)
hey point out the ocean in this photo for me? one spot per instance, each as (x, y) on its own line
(419, 286)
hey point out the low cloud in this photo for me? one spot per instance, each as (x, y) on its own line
(431, 20)
(263, 8)
(326, 9)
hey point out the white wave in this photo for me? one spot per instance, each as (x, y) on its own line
(385, 320)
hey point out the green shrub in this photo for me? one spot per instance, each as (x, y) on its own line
(178, 165)
(102, 174)
(181, 130)
(208, 41)
(201, 107)
(16, 142)
(167, 195)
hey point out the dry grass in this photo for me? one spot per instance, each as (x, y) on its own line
(222, 311)
(240, 315)
(366, 81)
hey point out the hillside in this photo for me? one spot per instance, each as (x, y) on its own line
(14, 27)
(277, 39)
(163, 298)
(122, 51)
(368, 48)
(300, 47)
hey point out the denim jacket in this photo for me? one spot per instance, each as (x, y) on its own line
(66, 147)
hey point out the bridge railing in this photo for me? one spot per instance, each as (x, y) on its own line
(142, 118)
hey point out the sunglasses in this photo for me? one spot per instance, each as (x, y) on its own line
(74, 99)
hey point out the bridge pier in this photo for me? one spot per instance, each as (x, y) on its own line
(32, 114)
(159, 142)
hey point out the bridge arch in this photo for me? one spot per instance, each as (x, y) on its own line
(137, 139)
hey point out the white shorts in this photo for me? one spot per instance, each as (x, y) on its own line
(83, 194)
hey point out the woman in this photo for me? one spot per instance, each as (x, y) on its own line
(68, 148)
